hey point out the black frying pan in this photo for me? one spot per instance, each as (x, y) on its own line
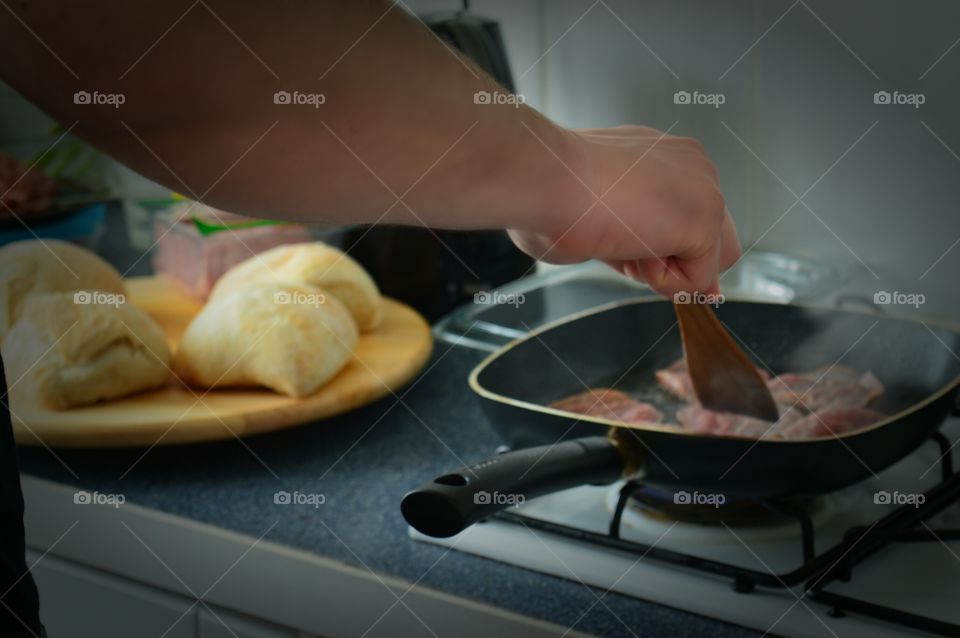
(622, 345)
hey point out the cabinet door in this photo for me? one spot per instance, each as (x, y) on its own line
(78, 602)
(218, 623)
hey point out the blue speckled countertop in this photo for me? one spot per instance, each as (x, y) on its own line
(363, 462)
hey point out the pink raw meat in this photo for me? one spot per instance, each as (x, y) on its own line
(824, 388)
(820, 403)
(825, 402)
(676, 380)
(831, 421)
(696, 418)
(609, 404)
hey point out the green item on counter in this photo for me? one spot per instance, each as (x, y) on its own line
(206, 228)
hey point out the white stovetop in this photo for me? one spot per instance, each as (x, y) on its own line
(923, 578)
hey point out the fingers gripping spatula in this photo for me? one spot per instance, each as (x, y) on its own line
(724, 379)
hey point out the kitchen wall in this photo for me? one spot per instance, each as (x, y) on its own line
(810, 164)
(878, 182)
(24, 129)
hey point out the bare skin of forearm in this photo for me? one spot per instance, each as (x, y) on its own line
(398, 138)
(398, 118)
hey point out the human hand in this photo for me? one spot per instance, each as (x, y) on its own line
(651, 207)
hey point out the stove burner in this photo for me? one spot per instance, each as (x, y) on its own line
(710, 509)
(634, 505)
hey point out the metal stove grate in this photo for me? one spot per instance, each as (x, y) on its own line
(814, 571)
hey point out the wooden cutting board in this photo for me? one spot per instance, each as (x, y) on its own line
(384, 360)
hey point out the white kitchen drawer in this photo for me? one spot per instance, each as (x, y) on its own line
(227, 624)
(78, 602)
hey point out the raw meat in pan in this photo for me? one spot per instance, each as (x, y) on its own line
(824, 388)
(696, 418)
(676, 380)
(810, 391)
(830, 421)
(830, 400)
(609, 404)
(792, 424)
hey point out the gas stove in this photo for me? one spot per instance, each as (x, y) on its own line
(880, 558)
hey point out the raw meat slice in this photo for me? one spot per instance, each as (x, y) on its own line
(676, 380)
(696, 418)
(583, 402)
(831, 421)
(609, 404)
(838, 386)
(830, 400)
(819, 403)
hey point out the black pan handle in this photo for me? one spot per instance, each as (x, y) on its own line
(452, 502)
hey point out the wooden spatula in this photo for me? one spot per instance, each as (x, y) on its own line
(723, 377)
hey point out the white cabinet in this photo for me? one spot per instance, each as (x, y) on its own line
(80, 602)
(76, 602)
(219, 623)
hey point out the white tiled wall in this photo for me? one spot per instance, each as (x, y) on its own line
(799, 97)
(622, 62)
(892, 199)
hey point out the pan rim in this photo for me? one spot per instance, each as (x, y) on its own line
(475, 385)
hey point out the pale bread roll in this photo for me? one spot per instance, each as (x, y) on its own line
(313, 264)
(62, 353)
(289, 338)
(35, 266)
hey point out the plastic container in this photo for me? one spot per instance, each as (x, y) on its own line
(196, 245)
